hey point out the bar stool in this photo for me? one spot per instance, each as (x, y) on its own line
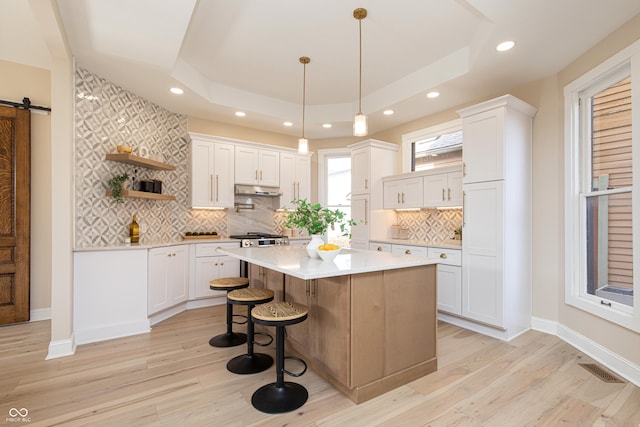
(229, 338)
(281, 396)
(250, 363)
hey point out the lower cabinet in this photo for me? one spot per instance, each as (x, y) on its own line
(264, 278)
(168, 277)
(324, 336)
(409, 250)
(449, 279)
(380, 247)
(209, 265)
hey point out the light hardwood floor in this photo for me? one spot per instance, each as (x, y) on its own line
(172, 377)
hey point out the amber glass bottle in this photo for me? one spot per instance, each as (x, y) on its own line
(134, 231)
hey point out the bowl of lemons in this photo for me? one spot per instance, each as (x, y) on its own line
(328, 251)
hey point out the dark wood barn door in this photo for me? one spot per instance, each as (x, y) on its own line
(15, 194)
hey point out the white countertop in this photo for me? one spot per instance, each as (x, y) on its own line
(154, 244)
(446, 244)
(294, 261)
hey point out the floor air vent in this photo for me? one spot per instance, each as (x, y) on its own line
(601, 373)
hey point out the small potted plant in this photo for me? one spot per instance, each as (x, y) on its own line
(316, 220)
(117, 185)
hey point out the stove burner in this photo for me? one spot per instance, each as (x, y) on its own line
(257, 239)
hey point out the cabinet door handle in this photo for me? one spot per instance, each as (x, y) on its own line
(366, 209)
(448, 194)
(260, 175)
(256, 174)
(379, 249)
(443, 194)
(443, 256)
(298, 190)
(464, 169)
(464, 216)
(408, 252)
(306, 287)
(211, 187)
(402, 197)
(217, 187)
(222, 263)
(398, 198)
(313, 287)
(366, 183)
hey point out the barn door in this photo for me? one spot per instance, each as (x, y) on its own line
(15, 179)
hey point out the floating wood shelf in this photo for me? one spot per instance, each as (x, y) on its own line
(131, 159)
(130, 194)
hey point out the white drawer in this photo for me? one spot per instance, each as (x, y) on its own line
(409, 250)
(209, 249)
(380, 247)
(447, 256)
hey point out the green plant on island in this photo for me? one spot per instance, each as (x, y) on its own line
(316, 219)
(116, 186)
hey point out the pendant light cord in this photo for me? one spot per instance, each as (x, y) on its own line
(304, 93)
(360, 70)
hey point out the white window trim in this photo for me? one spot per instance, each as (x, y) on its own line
(575, 222)
(430, 132)
(322, 176)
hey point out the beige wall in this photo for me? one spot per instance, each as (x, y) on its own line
(16, 82)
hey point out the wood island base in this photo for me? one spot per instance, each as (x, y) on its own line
(367, 333)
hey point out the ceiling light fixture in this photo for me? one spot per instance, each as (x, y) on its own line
(360, 127)
(504, 46)
(327, 125)
(387, 112)
(303, 143)
(240, 113)
(433, 94)
(176, 90)
(288, 124)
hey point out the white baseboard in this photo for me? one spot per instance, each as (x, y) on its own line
(86, 336)
(40, 314)
(207, 302)
(621, 366)
(61, 348)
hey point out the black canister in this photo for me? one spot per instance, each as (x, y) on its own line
(157, 186)
(146, 185)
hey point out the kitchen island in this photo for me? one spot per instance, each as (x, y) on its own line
(372, 315)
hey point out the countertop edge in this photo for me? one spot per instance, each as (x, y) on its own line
(153, 245)
(421, 243)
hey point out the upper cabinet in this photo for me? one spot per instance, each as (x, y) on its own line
(295, 174)
(212, 167)
(489, 152)
(403, 193)
(443, 190)
(256, 166)
(361, 171)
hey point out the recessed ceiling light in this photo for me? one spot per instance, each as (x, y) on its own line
(288, 124)
(504, 46)
(176, 90)
(327, 125)
(240, 113)
(387, 112)
(433, 94)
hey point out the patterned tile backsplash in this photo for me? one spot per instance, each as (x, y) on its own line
(431, 224)
(106, 116)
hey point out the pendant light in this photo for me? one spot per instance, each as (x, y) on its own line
(303, 143)
(360, 127)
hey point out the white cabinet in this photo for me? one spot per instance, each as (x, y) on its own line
(257, 167)
(449, 279)
(409, 250)
(168, 277)
(370, 161)
(295, 178)
(380, 247)
(360, 214)
(403, 193)
(209, 265)
(442, 190)
(212, 172)
(361, 171)
(496, 247)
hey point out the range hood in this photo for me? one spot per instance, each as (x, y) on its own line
(257, 190)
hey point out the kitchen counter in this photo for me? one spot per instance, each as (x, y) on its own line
(153, 244)
(294, 261)
(445, 244)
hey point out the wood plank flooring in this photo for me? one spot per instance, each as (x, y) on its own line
(172, 377)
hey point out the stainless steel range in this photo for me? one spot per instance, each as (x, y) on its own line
(259, 240)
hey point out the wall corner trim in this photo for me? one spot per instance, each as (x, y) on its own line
(62, 348)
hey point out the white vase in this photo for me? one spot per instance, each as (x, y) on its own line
(312, 246)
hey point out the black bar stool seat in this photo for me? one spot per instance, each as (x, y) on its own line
(229, 338)
(281, 396)
(250, 363)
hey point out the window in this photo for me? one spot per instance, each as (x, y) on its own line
(432, 147)
(601, 195)
(335, 191)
